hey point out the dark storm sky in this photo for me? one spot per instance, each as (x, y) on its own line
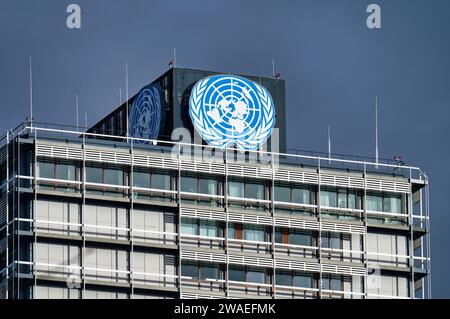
(333, 66)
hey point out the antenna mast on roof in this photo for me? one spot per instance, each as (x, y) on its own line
(126, 89)
(329, 145)
(174, 57)
(30, 119)
(76, 104)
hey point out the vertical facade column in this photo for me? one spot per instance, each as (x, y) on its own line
(411, 237)
(272, 205)
(365, 248)
(83, 213)
(131, 234)
(319, 238)
(225, 191)
(178, 230)
(7, 214)
(34, 212)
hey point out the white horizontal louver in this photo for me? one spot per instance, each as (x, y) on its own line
(343, 269)
(201, 256)
(297, 265)
(250, 219)
(342, 181)
(295, 176)
(343, 228)
(203, 214)
(387, 185)
(264, 172)
(295, 223)
(199, 296)
(59, 151)
(203, 167)
(250, 261)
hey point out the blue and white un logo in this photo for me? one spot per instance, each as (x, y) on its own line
(229, 109)
(146, 113)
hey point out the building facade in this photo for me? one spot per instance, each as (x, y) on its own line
(99, 213)
(92, 218)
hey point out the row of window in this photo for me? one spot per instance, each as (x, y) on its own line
(261, 276)
(237, 187)
(260, 233)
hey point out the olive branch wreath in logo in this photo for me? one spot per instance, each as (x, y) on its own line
(252, 141)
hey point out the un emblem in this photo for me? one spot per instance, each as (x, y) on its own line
(146, 114)
(229, 109)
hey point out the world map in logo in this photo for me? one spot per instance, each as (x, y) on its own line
(230, 110)
(146, 114)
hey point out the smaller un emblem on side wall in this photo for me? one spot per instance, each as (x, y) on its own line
(146, 115)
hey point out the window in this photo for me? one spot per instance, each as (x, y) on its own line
(188, 184)
(374, 202)
(300, 239)
(328, 197)
(160, 181)
(392, 203)
(209, 229)
(283, 279)
(94, 175)
(256, 276)
(253, 232)
(231, 232)
(189, 227)
(207, 186)
(303, 280)
(300, 195)
(141, 179)
(209, 272)
(236, 189)
(46, 170)
(189, 270)
(282, 194)
(255, 191)
(65, 172)
(236, 274)
(113, 176)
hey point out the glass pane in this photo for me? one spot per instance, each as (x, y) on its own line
(45, 170)
(335, 242)
(352, 200)
(65, 171)
(235, 189)
(255, 191)
(189, 184)
(209, 272)
(94, 175)
(236, 274)
(300, 195)
(231, 232)
(374, 202)
(342, 199)
(283, 279)
(208, 186)
(278, 236)
(161, 181)
(300, 239)
(189, 270)
(328, 198)
(209, 229)
(189, 227)
(282, 194)
(255, 276)
(326, 283)
(335, 284)
(141, 179)
(113, 176)
(303, 281)
(392, 203)
(253, 233)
